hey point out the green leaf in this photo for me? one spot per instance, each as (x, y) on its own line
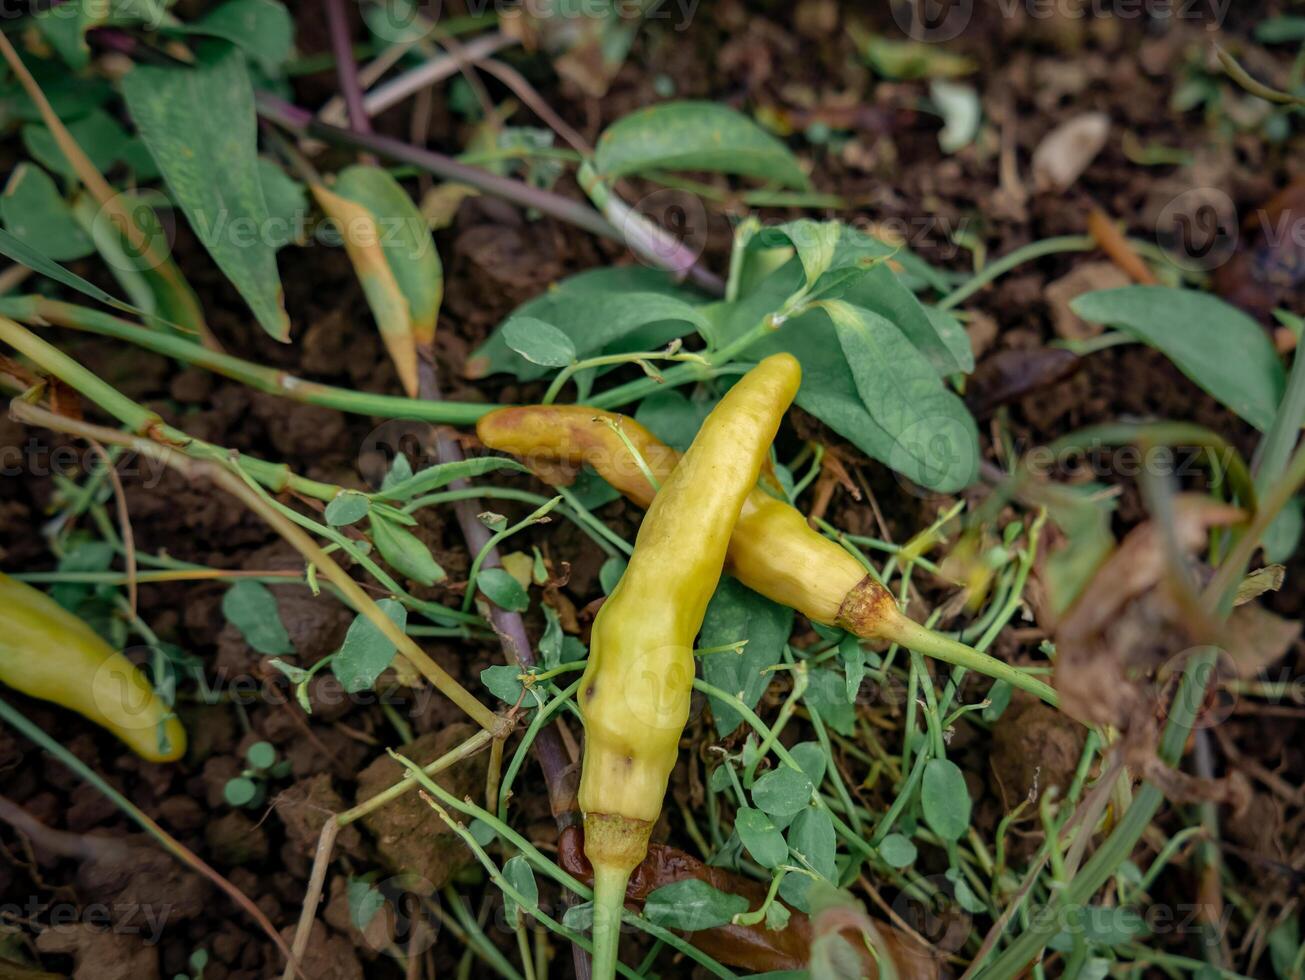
(828, 388)
(594, 295)
(287, 204)
(812, 845)
(579, 917)
(761, 837)
(200, 126)
(24, 254)
(35, 212)
(65, 27)
(1283, 29)
(239, 791)
(404, 238)
(811, 759)
(945, 799)
(251, 608)
(518, 874)
(692, 905)
(408, 485)
(366, 651)
(1216, 345)
(782, 792)
(897, 851)
(504, 682)
(365, 900)
(261, 755)
(482, 832)
(404, 551)
(346, 507)
(97, 133)
(610, 574)
(596, 322)
(695, 136)
(737, 613)
(538, 342)
(935, 441)
(503, 590)
(263, 29)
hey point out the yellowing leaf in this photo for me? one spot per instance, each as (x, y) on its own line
(362, 240)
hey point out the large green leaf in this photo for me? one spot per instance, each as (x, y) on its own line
(695, 136)
(601, 311)
(940, 454)
(828, 251)
(735, 614)
(200, 127)
(1220, 348)
(35, 212)
(935, 441)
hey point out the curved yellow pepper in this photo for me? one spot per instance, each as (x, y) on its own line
(47, 652)
(634, 694)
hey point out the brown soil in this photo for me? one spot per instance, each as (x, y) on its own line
(796, 58)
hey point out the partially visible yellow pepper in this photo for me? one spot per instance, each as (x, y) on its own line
(634, 695)
(47, 652)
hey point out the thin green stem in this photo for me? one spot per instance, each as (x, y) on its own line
(913, 636)
(37, 310)
(609, 901)
(565, 375)
(993, 270)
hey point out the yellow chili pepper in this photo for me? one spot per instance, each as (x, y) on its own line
(634, 695)
(773, 551)
(47, 652)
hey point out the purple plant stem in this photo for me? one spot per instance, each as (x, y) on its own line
(511, 630)
(555, 205)
(337, 22)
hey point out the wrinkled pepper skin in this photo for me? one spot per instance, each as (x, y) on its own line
(773, 551)
(46, 652)
(634, 694)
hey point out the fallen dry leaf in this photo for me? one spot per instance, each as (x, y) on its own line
(1085, 278)
(1068, 150)
(1129, 621)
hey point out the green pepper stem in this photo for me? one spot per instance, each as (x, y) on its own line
(609, 902)
(910, 634)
